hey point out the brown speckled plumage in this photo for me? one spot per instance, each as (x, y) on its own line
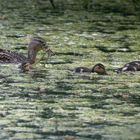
(98, 68)
(7, 56)
(35, 45)
(131, 66)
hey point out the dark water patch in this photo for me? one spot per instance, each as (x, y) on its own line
(103, 102)
(106, 31)
(23, 95)
(16, 35)
(107, 49)
(21, 47)
(11, 81)
(47, 113)
(84, 77)
(110, 28)
(104, 49)
(20, 120)
(4, 77)
(99, 106)
(51, 12)
(95, 98)
(45, 22)
(26, 124)
(49, 100)
(70, 21)
(71, 108)
(52, 135)
(100, 125)
(128, 97)
(69, 53)
(60, 62)
(132, 113)
(18, 26)
(85, 46)
(57, 93)
(38, 74)
(124, 27)
(101, 30)
(135, 100)
(92, 136)
(123, 38)
(4, 114)
(91, 82)
(64, 85)
(102, 27)
(89, 78)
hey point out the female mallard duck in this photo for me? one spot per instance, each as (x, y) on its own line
(35, 45)
(98, 68)
(131, 66)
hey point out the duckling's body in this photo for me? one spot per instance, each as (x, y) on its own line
(98, 68)
(131, 66)
(82, 69)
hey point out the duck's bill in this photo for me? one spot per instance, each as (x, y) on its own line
(49, 51)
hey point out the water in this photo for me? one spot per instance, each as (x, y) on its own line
(50, 102)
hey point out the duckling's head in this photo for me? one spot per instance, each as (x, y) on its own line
(99, 69)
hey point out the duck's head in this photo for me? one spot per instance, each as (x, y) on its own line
(99, 69)
(37, 44)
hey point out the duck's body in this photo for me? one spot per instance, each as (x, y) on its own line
(98, 68)
(7, 56)
(35, 45)
(131, 66)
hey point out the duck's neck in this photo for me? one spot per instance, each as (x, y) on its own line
(32, 56)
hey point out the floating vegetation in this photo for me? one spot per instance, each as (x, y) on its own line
(50, 101)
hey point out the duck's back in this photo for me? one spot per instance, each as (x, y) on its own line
(7, 56)
(82, 69)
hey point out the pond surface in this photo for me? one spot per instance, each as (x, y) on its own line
(53, 103)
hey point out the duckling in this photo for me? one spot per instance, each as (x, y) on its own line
(129, 67)
(98, 68)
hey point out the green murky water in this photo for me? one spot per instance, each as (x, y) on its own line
(51, 102)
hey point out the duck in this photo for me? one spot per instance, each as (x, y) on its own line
(97, 68)
(35, 45)
(129, 67)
